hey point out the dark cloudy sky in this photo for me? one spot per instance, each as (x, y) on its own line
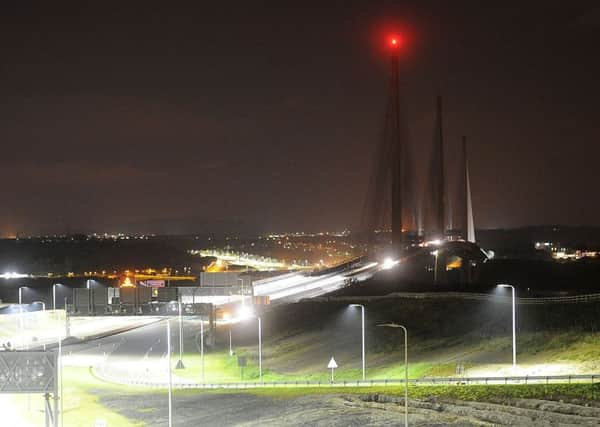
(172, 117)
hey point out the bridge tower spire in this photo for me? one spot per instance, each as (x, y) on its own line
(470, 224)
(436, 228)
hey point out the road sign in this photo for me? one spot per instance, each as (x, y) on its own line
(28, 372)
(332, 365)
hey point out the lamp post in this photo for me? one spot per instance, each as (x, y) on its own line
(514, 327)
(169, 370)
(435, 266)
(395, 325)
(230, 347)
(21, 326)
(202, 347)
(21, 294)
(180, 364)
(88, 286)
(259, 348)
(362, 308)
(59, 362)
(43, 309)
(54, 296)
(246, 313)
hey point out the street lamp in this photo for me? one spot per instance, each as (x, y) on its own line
(21, 326)
(435, 267)
(180, 364)
(242, 290)
(395, 325)
(169, 366)
(21, 294)
(245, 313)
(362, 308)
(202, 347)
(43, 309)
(259, 348)
(54, 296)
(514, 328)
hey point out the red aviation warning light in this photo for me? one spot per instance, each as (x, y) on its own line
(395, 41)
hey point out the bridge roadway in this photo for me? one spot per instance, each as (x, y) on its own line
(297, 286)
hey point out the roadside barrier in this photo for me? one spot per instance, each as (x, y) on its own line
(101, 373)
(570, 299)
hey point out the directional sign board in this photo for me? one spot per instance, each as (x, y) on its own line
(28, 372)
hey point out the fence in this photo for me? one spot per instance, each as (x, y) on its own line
(571, 299)
(101, 372)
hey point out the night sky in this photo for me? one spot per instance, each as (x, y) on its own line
(262, 116)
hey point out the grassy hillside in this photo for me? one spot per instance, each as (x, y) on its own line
(299, 340)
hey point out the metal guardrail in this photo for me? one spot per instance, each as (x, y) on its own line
(467, 296)
(456, 381)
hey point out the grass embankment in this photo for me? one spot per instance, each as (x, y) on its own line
(574, 349)
(480, 393)
(222, 368)
(299, 339)
(81, 405)
(581, 393)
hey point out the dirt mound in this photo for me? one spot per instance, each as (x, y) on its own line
(521, 412)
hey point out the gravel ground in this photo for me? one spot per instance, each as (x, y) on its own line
(245, 409)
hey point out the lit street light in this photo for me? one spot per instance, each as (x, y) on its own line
(43, 309)
(395, 325)
(245, 313)
(202, 347)
(362, 307)
(180, 364)
(259, 349)
(21, 323)
(54, 296)
(54, 286)
(435, 267)
(169, 369)
(514, 328)
(88, 283)
(21, 294)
